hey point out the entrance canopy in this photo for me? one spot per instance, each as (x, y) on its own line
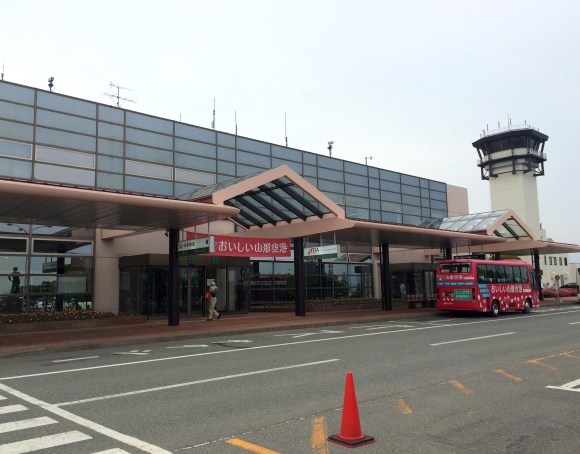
(46, 204)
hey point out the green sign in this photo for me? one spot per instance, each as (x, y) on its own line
(214, 260)
(191, 260)
(462, 294)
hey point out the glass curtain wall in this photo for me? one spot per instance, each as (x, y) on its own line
(45, 268)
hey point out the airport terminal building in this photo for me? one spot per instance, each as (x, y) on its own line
(97, 202)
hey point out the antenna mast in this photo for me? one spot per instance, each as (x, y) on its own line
(2, 71)
(285, 130)
(117, 96)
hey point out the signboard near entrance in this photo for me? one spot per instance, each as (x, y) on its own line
(322, 252)
(195, 246)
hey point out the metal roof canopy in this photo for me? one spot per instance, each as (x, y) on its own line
(38, 203)
(279, 203)
(271, 198)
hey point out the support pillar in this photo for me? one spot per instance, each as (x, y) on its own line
(448, 253)
(173, 294)
(299, 277)
(536, 255)
(387, 303)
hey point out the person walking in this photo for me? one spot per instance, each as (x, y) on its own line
(403, 289)
(213, 291)
(14, 277)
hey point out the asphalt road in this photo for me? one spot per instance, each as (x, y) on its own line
(435, 384)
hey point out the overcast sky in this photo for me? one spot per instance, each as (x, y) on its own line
(409, 83)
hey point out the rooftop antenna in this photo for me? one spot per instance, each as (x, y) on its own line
(330, 144)
(236, 120)
(117, 96)
(285, 130)
(213, 121)
(2, 78)
(367, 159)
(50, 83)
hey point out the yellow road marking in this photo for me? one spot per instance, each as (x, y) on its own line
(538, 362)
(460, 387)
(319, 436)
(250, 446)
(403, 407)
(508, 375)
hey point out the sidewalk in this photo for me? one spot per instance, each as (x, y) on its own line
(157, 329)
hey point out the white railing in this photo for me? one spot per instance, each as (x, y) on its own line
(511, 127)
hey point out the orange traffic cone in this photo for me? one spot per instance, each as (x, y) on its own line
(350, 434)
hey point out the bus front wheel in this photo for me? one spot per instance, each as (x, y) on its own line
(495, 308)
(527, 307)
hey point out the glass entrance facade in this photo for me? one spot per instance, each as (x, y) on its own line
(45, 268)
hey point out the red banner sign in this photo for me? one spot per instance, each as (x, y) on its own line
(228, 246)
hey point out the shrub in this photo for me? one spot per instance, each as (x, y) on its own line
(31, 317)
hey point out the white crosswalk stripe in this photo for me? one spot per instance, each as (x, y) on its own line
(12, 409)
(26, 424)
(113, 451)
(49, 441)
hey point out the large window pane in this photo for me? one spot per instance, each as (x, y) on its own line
(110, 131)
(65, 139)
(15, 149)
(253, 146)
(149, 154)
(195, 148)
(16, 112)
(147, 122)
(66, 122)
(148, 170)
(14, 168)
(71, 158)
(17, 131)
(148, 186)
(9, 262)
(17, 94)
(64, 104)
(41, 246)
(149, 139)
(58, 174)
(195, 133)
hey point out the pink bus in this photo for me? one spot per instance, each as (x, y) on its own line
(491, 286)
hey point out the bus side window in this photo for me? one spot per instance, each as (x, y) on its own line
(481, 272)
(509, 274)
(517, 274)
(524, 272)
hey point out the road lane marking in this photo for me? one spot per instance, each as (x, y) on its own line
(508, 375)
(471, 339)
(49, 441)
(12, 409)
(191, 346)
(133, 352)
(296, 336)
(112, 451)
(574, 323)
(457, 385)
(250, 446)
(25, 424)
(288, 344)
(73, 359)
(91, 425)
(403, 407)
(572, 386)
(319, 436)
(196, 382)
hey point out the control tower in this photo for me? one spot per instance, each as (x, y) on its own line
(511, 158)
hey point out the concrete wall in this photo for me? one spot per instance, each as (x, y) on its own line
(457, 202)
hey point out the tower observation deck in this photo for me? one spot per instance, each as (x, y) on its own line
(511, 158)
